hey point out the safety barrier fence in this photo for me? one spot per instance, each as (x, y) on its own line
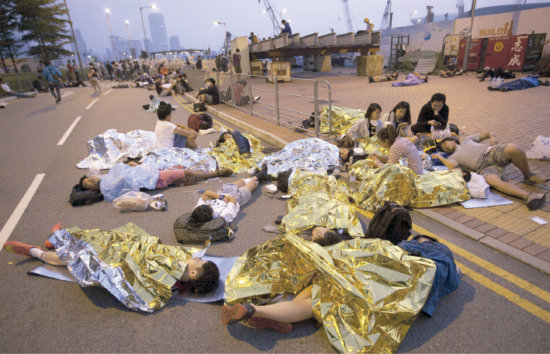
(285, 103)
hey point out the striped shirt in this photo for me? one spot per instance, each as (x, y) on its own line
(403, 148)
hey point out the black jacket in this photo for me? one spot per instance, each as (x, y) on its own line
(426, 114)
(212, 91)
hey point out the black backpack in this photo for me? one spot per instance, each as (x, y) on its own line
(216, 230)
(199, 107)
(391, 222)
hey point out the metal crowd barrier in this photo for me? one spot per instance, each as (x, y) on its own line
(286, 104)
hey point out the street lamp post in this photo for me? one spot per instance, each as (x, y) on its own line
(225, 28)
(126, 22)
(469, 40)
(143, 24)
(107, 11)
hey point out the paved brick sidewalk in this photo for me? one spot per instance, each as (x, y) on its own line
(516, 117)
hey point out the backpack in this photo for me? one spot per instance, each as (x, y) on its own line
(391, 222)
(80, 196)
(199, 107)
(216, 230)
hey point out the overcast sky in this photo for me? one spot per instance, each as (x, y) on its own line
(193, 21)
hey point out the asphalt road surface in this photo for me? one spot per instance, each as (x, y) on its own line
(501, 306)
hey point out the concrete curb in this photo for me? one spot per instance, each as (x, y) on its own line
(487, 240)
(262, 134)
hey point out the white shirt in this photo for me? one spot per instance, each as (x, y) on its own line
(228, 211)
(164, 132)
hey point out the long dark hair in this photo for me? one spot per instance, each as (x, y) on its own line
(407, 117)
(221, 139)
(372, 107)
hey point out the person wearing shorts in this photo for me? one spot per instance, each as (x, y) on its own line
(490, 162)
(225, 203)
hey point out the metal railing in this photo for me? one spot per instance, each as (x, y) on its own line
(281, 102)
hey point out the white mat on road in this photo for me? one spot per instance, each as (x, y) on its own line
(494, 199)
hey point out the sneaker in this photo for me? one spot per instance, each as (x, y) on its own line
(535, 200)
(224, 172)
(236, 313)
(48, 245)
(19, 248)
(257, 98)
(535, 179)
(261, 323)
(263, 176)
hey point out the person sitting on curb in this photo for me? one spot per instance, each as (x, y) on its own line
(165, 131)
(433, 114)
(490, 162)
(225, 203)
(209, 94)
(5, 89)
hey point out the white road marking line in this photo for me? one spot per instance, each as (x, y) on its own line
(69, 130)
(91, 104)
(108, 92)
(68, 93)
(20, 208)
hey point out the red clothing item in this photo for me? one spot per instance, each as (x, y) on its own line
(194, 122)
(167, 177)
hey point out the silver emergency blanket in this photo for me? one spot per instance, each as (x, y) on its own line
(198, 159)
(314, 155)
(111, 147)
(123, 178)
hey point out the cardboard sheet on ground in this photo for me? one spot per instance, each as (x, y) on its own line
(224, 265)
(493, 199)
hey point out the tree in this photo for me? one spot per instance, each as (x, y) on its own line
(9, 45)
(43, 23)
(143, 55)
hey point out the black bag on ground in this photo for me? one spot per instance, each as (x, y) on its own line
(216, 228)
(199, 107)
(81, 196)
(391, 222)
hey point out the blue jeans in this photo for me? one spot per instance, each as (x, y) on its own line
(55, 86)
(242, 143)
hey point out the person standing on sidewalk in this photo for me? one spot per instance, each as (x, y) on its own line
(237, 61)
(490, 162)
(77, 75)
(53, 75)
(70, 71)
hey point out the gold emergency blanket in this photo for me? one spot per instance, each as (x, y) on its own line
(342, 119)
(365, 292)
(227, 155)
(372, 146)
(128, 262)
(397, 183)
(320, 200)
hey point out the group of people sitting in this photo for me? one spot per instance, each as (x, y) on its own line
(395, 132)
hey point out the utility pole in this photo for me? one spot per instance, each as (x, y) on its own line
(469, 40)
(74, 38)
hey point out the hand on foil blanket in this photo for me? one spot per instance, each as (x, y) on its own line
(128, 262)
(365, 292)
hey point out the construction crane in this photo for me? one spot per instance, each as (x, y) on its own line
(270, 10)
(347, 15)
(387, 18)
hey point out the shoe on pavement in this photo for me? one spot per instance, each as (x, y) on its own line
(263, 176)
(236, 313)
(19, 248)
(261, 323)
(535, 179)
(535, 200)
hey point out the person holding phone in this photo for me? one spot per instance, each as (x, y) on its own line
(435, 114)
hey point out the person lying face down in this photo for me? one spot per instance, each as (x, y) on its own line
(199, 276)
(490, 161)
(225, 203)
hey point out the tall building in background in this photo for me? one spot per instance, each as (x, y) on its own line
(147, 45)
(121, 47)
(82, 48)
(135, 48)
(158, 32)
(175, 43)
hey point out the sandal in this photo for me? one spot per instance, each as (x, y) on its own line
(236, 313)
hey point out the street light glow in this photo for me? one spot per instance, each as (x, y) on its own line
(127, 22)
(154, 7)
(284, 11)
(216, 23)
(107, 10)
